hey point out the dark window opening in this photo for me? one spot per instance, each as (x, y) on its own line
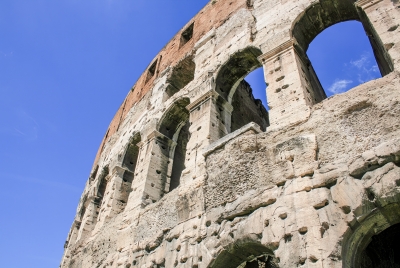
(102, 185)
(383, 250)
(246, 254)
(313, 22)
(179, 156)
(175, 126)
(129, 164)
(181, 75)
(249, 3)
(83, 208)
(174, 117)
(151, 71)
(131, 153)
(94, 173)
(187, 34)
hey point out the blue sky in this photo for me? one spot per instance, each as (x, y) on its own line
(65, 68)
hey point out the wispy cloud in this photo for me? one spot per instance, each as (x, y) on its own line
(366, 70)
(361, 62)
(20, 124)
(42, 182)
(339, 86)
(9, 54)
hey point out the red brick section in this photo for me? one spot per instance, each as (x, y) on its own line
(214, 14)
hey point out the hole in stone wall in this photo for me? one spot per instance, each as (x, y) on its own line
(187, 34)
(246, 254)
(151, 71)
(179, 156)
(383, 249)
(181, 75)
(102, 185)
(131, 153)
(94, 173)
(343, 58)
(175, 126)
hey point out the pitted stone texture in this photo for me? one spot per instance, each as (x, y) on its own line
(310, 191)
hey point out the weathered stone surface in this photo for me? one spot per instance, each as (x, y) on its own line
(193, 172)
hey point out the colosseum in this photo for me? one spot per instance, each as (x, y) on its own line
(194, 172)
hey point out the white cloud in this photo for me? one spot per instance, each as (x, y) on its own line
(365, 69)
(19, 123)
(339, 86)
(361, 62)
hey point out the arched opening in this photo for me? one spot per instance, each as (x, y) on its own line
(131, 155)
(101, 190)
(129, 163)
(181, 75)
(245, 254)
(312, 23)
(233, 89)
(175, 126)
(383, 249)
(179, 155)
(350, 57)
(374, 242)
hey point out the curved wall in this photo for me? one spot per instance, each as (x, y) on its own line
(185, 177)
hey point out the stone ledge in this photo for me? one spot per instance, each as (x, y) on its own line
(221, 142)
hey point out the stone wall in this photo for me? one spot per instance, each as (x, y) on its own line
(307, 184)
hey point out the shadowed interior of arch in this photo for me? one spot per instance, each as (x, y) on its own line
(383, 250)
(245, 254)
(129, 164)
(175, 125)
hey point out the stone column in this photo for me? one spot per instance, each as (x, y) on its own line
(89, 220)
(210, 119)
(116, 196)
(380, 19)
(289, 90)
(153, 170)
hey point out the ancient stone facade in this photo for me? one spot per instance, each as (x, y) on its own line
(193, 172)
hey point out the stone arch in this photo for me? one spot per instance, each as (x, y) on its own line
(131, 154)
(126, 173)
(175, 115)
(378, 221)
(318, 17)
(235, 69)
(245, 253)
(238, 103)
(181, 75)
(91, 205)
(174, 125)
(101, 188)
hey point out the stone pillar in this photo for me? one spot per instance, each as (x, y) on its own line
(116, 196)
(153, 170)
(89, 220)
(380, 19)
(289, 90)
(210, 119)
